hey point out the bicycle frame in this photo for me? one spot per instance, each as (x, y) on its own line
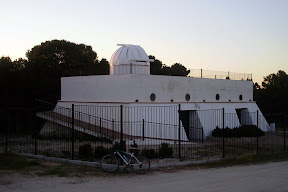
(131, 156)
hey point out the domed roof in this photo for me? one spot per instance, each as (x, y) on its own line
(130, 59)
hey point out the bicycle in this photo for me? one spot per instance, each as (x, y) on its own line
(110, 162)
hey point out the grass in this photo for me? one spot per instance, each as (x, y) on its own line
(15, 162)
(12, 163)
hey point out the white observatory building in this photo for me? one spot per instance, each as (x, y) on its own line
(158, 98)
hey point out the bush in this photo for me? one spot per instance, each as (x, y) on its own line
(135, 151)
(121, 146)
(100, 151)
(248, 131)
(86, 150)
(242, 131)
(165, 150)
(149, 153)
(217, 132)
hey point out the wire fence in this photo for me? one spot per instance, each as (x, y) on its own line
(210, 74)
(88, 132)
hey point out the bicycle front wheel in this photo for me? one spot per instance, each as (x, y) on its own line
(109, 163)
(141, 167)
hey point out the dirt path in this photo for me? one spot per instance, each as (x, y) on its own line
(265, 177)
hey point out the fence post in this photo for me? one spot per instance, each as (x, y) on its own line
(143, 130)
(35, 134)
(201, 73)
(72, 139)
(257, 145)
(284, 132)
(100, 125)
(113, 129)
(223, 136)
(202, 135)
(7, 130)
(6, 139)
(121, 128)
(179, 132)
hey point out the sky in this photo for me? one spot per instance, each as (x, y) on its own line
(244, 36)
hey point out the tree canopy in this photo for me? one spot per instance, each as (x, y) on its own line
(158, 68)
(63, 58)
(23, 81)
(272, 96)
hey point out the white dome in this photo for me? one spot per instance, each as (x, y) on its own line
(129, 59)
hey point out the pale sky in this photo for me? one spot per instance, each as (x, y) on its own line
(245, 36)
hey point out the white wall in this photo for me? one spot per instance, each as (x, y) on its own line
(166, 115)
(210, 119)
(114, 90)
(129, 88)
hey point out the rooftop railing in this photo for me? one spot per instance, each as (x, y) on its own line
(210, 74)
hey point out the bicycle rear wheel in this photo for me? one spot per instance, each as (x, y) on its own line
(141, 167)
(109, 163)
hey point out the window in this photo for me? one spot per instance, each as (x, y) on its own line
(217, 96)
(152, 97)
(187, 97)
(240, 97)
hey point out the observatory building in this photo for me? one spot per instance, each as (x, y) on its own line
(159, 99)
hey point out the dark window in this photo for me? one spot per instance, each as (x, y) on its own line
(240, 97)
(152, 97)
(217, 96)
(187, 97)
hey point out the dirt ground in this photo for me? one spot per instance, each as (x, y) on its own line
(261, 177)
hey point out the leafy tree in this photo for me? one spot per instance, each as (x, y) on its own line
(19, 64)
(22, 81)
(158, 68)
(5, 64)
(103, 67)
(62, 58)
(51, 60)
(178, 70)
(272, 96)
(5, 72)
(13, 82)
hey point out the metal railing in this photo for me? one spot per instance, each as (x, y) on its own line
(63, 132)
(210, 74)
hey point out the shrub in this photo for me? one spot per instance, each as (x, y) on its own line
(242, 131)
(135, 151)
(85, 150)
(120, 146)
(248, 131)
(100, 151)
(217, 132)
(165, 150)
(149, 153)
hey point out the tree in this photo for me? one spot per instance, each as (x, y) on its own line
(6, 65)
(63, 58)
(272, 96)
(5, 71)
(23, 81)
(103, 67)
(178, 70)
(158, 68)
(51, 60)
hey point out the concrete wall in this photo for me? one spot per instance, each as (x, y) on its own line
(132, 88)
(161, 120)
(133, 92)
